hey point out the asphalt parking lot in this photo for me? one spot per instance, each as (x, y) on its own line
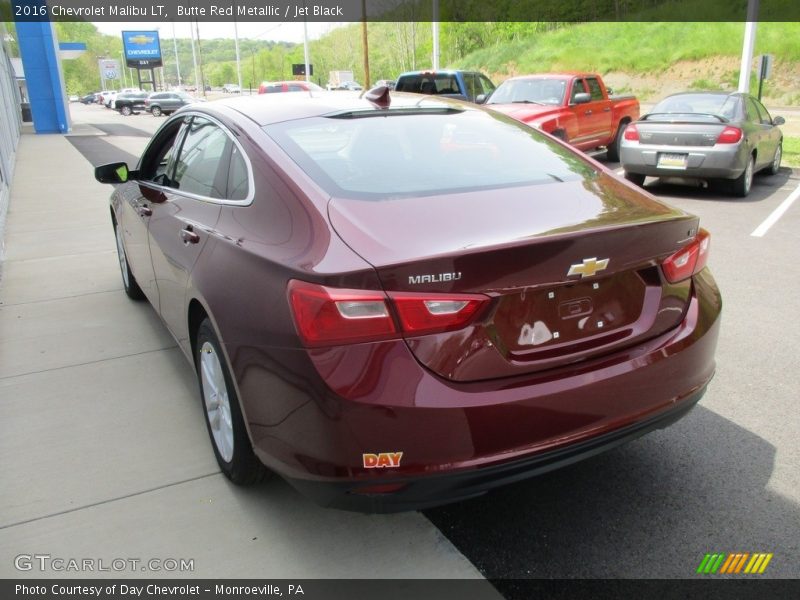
(107, 452)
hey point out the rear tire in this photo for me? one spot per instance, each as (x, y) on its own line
(744, 183)
(126, 111)
(156, 110)
(612, 152)
(223, 415)
(635, 178)
(776, 161)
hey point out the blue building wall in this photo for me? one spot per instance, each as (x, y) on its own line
(38, 48)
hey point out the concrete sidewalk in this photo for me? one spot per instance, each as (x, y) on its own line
(104, 449)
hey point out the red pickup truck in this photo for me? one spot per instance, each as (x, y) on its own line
(575, 107)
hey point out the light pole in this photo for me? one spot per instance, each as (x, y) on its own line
(177, 62)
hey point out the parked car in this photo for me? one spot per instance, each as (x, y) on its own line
(167, 103)
(89, 98)
(385, 351)
(575, 107)
(705, 135)
(231, 88)
(350, 86)
(74, 98)
(462, 85)
(131, 102)
(109, 98)
(104, 96)
(389, 83)
(272, 87)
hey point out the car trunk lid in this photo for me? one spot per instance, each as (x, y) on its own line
(571, 268)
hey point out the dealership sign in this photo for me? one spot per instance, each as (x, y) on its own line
(109, 68)
(142, 49)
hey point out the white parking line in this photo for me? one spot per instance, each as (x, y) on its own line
(776, 214)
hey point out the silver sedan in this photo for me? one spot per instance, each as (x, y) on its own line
(704, 135)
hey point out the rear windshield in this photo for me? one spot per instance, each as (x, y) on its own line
(433, 83)
(699, 106)
(382, 157)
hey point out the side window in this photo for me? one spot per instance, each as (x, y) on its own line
(752, 111)
(238, 185)
(763, 114)
(157, 164)
(577, 88)
(485, 83)
(472, 90)
(594, 88)
(197, 170)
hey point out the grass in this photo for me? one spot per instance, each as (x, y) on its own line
(791, 151)
(642, 47)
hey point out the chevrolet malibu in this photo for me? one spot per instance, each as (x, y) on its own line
(399, 301)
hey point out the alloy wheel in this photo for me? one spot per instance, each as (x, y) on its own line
(217, 403)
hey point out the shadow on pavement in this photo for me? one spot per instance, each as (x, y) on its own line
(650, 509)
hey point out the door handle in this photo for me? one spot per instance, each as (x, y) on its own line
(588, 112)
(144, 211)
(607, 109)
(188, 236)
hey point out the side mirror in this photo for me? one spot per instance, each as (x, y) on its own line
(112, 173)
(480, 99)
(582, 98)
(609, 91)
(778, 121)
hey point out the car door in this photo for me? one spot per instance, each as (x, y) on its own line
(758, 133)
(595, 117)
(771, 133)
(185, 221)
(136, 207)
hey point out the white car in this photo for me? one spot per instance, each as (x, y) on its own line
(231, 88)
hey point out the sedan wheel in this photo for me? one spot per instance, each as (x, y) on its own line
(776, 162)
(156, 110)
(224, 420)
(132, 289)
(743, 183)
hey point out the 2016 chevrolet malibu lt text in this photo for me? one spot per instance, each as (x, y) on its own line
(399, 301)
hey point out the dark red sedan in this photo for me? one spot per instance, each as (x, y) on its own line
(400, 301)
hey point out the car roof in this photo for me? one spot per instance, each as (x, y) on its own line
(266, 109)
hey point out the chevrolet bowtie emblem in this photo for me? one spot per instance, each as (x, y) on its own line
(588, 267)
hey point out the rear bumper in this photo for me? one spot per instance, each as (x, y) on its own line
(312, 415)
(722, 161)
(421, 493)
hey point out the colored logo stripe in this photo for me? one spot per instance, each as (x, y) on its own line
(733, 563)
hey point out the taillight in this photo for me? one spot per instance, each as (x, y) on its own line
(689, 260)
(325, 316)
(631, 133)
(730, 135)
(431, 313)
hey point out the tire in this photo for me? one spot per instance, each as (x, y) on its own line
(613, 150)
(744, 183)
(156, 111)
(132, 289)
(126, 111)
(635, 178)
(776, 161)
(223, 415)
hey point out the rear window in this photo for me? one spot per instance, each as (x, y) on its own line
(389, 156)
(701, 106)
(434, 83)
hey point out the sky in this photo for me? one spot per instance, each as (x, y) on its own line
(287, 32)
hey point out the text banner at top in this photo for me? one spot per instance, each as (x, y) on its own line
(396, 10)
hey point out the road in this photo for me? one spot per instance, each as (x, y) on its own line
(724, 479)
